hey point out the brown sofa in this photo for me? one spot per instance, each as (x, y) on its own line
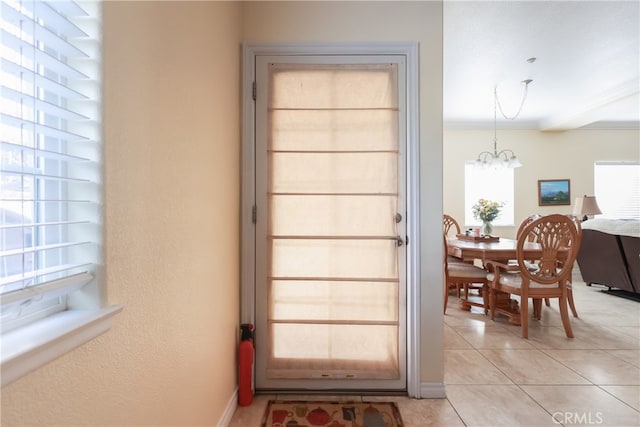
(610, 253)
(631, 248)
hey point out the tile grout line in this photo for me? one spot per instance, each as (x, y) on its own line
(455, 410)
(616, 397)
(569, 367)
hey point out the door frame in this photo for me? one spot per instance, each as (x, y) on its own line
(248, 182)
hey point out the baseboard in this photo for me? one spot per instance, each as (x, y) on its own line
(432, 391)
(229, 410)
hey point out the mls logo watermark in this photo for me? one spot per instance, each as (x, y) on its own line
(582, 418)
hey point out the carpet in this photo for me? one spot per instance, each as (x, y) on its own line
(288, 413)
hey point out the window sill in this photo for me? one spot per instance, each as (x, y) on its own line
(25, 349)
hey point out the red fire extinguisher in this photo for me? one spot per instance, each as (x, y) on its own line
(245, 365)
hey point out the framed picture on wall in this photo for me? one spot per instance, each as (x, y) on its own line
(552, 192)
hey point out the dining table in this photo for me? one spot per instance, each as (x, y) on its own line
(501, 250)
(491, 249)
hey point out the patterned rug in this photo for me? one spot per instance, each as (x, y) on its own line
(288, 413)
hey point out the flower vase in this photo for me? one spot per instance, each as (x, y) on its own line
(487, 229)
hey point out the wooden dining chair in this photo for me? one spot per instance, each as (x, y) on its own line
(545, 274)
(537, 312)
(463, 275)
(572, 305)
(528, 220)
(449, 223)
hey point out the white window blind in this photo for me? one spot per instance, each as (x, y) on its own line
(617, 189)
(333, 283)
(495, 184)
(50, 160)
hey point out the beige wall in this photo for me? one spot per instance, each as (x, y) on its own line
(545, 155)
(385, 21)
(171, 208)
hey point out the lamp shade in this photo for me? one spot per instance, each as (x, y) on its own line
(585, 206)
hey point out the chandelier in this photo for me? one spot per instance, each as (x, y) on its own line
(504, 158)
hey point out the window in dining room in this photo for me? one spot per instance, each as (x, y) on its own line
(491, 184)
(617, 201)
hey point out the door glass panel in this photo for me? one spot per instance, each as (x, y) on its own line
(334, 173)
(316, 299)
(333, 215)
(334, 258)
(332, 191)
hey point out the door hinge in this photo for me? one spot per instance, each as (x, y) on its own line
(254, 91)
(254, 214)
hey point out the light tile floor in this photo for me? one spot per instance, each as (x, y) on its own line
(493, 377)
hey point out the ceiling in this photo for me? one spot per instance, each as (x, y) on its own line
(586, 72)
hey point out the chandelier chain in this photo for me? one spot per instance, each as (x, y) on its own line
(503, 158)
(497, 101)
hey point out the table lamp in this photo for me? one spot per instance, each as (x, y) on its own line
(585, 206)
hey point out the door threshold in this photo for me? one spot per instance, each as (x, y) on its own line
(333, 392)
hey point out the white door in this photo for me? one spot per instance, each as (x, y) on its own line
(330, 230)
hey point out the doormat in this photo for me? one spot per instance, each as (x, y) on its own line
(297, 413)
